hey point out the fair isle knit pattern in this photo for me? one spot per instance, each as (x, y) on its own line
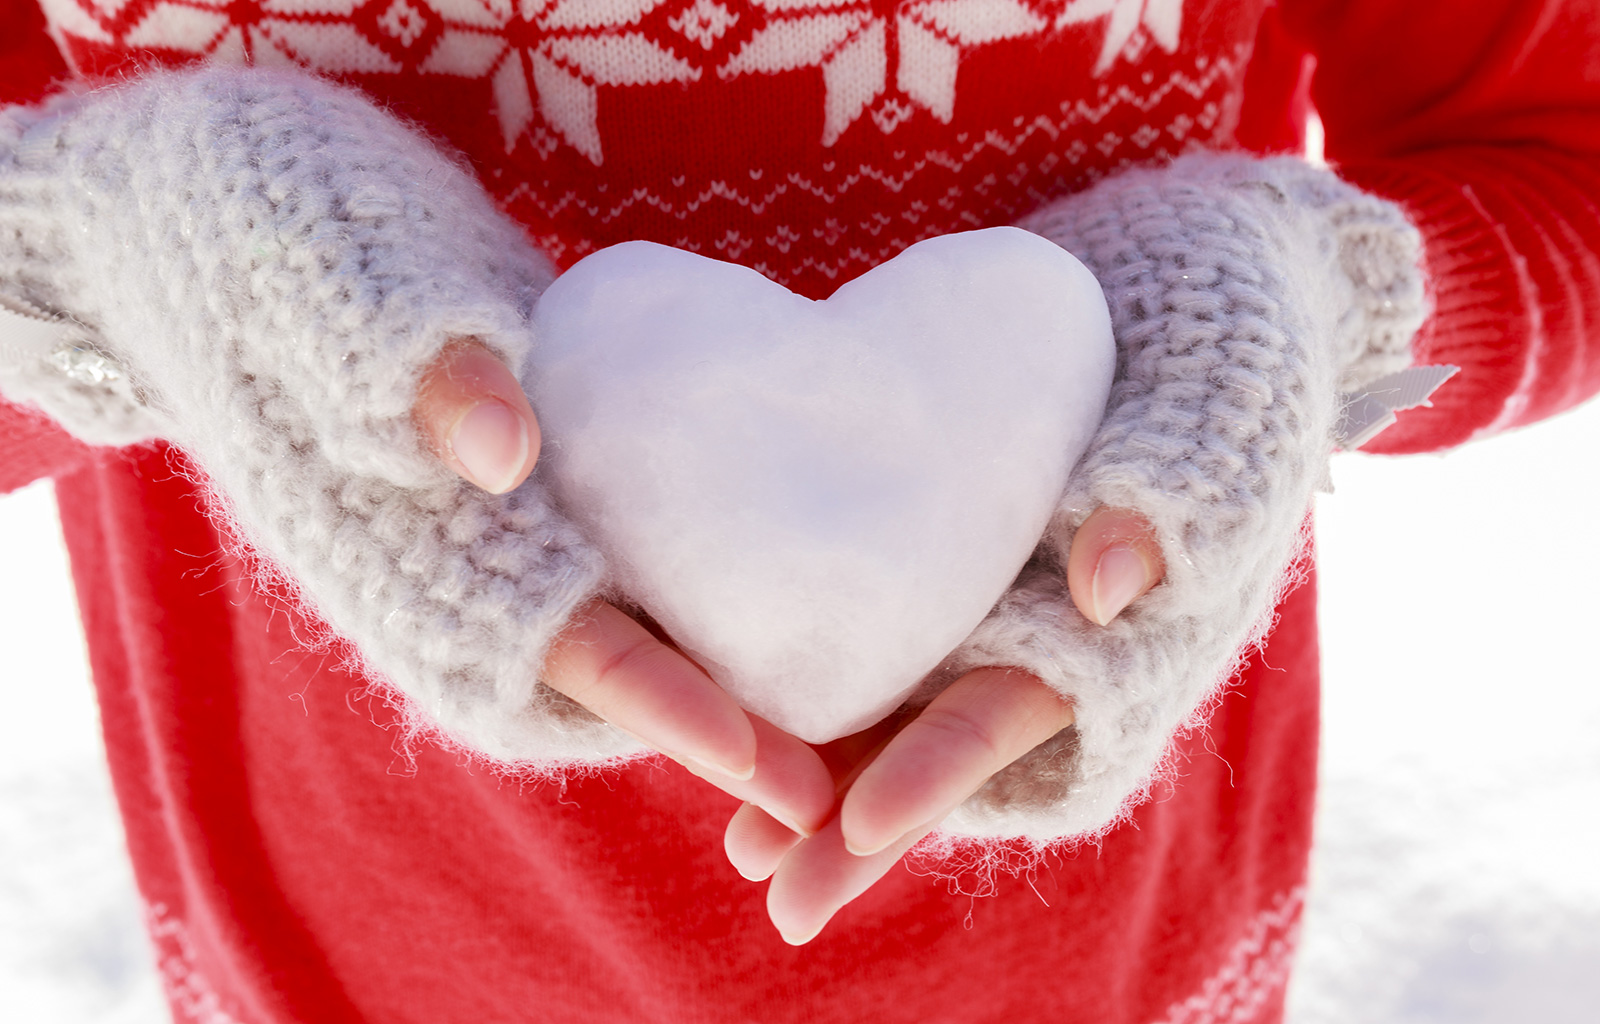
(1244, 293)
(274, 261)
(549, 60)
(600, 121)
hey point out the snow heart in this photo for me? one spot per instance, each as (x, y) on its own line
(820, 500)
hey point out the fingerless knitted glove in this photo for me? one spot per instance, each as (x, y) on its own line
(270, 262)
(1245, 296)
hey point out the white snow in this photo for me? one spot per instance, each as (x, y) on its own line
(72, 945)
(1456, 879)
(820, 500)
(1455, 882)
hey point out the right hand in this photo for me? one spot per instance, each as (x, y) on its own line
(900, 779)
(475, 416)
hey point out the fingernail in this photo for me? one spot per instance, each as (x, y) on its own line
(801, 938)
(491, 443)
(756, 876)
(790, 824)
(907, 838)
(742, 775)
(1119, 577)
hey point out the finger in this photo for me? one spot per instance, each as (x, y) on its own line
(473, 414)
(756, 842)
(820, 876)
(1115, 558)
(984, 721)
(613, 666)
(791, 784)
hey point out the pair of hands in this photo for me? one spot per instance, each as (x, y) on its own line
(824, 823)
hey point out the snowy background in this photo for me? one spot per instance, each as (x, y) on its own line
(1457, 879)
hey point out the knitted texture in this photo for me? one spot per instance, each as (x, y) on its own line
(1245, 295)
(273, 262)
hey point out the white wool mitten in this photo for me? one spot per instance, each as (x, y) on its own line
(259, 266)
(1245, 296)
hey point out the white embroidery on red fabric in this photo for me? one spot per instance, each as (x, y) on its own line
(704, 23)
(1130, 20)
(1256, 970)
(561, 51)
(550, 58)
(850, 41)
(188, 991)
(871, 241)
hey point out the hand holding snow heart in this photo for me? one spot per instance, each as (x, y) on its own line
(817, 499)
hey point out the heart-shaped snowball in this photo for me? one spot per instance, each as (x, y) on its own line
(820, 500)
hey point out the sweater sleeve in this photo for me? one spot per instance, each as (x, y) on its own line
(258, 265)
(1480, 125)
(1482, 121)
(31, 444)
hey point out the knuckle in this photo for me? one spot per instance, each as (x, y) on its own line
(955, 728)
(616, 667)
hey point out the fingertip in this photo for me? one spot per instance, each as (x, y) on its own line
(793, 785)
(739, 756)
(874, 819)
(819, 878)
(475, 417)
(982, 722)
(756, 842)
(856, 850)
(1120, 576)
(801, 938)
(1115, 559)
(490, 444)
(860, 815)
(725, 754)
(736, 768)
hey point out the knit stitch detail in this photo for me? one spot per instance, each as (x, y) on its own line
(299, 257)
(1244, 295)
(1484, 289)
(275, 261)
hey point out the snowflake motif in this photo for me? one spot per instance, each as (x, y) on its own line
(547, 60)
(273, 32)
(1133, 23)
(561, 51)
(850, 41)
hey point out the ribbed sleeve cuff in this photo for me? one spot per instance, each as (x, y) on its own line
(1481, 294)
(31, 447)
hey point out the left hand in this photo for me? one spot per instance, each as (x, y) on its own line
(901, 778)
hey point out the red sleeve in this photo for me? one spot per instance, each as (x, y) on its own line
(1483, 120)
(29, 60)
(31, 446)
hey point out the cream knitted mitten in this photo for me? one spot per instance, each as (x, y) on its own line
(271, 261)
(1245, 296)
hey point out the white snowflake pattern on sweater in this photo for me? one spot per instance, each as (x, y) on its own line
(551, 58)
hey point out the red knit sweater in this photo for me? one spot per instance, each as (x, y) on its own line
(297, 868)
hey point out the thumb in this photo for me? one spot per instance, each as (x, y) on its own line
(1115, 558)
(473, 414)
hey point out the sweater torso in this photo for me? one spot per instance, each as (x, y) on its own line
(297, 867)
